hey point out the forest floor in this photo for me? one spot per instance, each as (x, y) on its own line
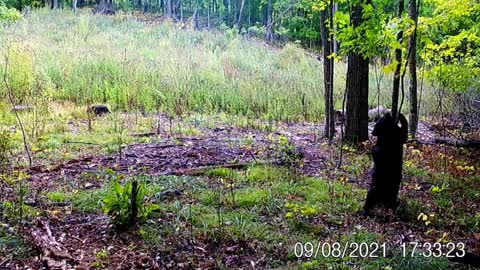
(231, 194)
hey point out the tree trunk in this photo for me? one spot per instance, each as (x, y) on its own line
(412, 66)
(55, 4)
(208, 14)
(269, 22)
(74, 5)
(240, 14)
(168, 8)
(335, 42)
(196, 25)
(326, 18)
(133, 203)
(398, 59)
(249, 13)
(356, 129)
(181, 11)
(235, 13)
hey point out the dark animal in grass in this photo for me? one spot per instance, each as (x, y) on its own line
(98, 110)
(388, 160)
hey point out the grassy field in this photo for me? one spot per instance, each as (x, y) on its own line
(135, 66)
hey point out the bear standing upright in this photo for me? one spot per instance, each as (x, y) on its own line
(388, 161)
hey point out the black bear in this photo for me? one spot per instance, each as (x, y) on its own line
(98, 110)
(388, 160)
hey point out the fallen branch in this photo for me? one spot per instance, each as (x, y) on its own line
(50, 204)
(89, 143)
(420, 142)
(46, 169)
(163, 146)
(54, 254)
(459, 143)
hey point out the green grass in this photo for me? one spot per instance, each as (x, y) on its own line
(83, 58)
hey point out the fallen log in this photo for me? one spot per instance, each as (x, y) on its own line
(459, 143)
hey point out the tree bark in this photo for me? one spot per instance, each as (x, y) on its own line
(74, 5)
(326, 18)
(412, 66)
(398, 59)
(356, 129)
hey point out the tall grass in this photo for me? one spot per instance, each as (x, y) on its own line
(133, 66)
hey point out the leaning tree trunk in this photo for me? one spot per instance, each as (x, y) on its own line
(412, 66)
(398, 59)
(356, 129)
(326, 17)
(240, 15)
(196, 24)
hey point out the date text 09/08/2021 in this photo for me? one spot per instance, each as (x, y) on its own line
(376, 250)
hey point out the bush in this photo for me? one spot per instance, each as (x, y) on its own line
(9, 14)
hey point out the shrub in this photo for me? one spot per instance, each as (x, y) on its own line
(286, 153)
(9, 14)
(121, 205)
